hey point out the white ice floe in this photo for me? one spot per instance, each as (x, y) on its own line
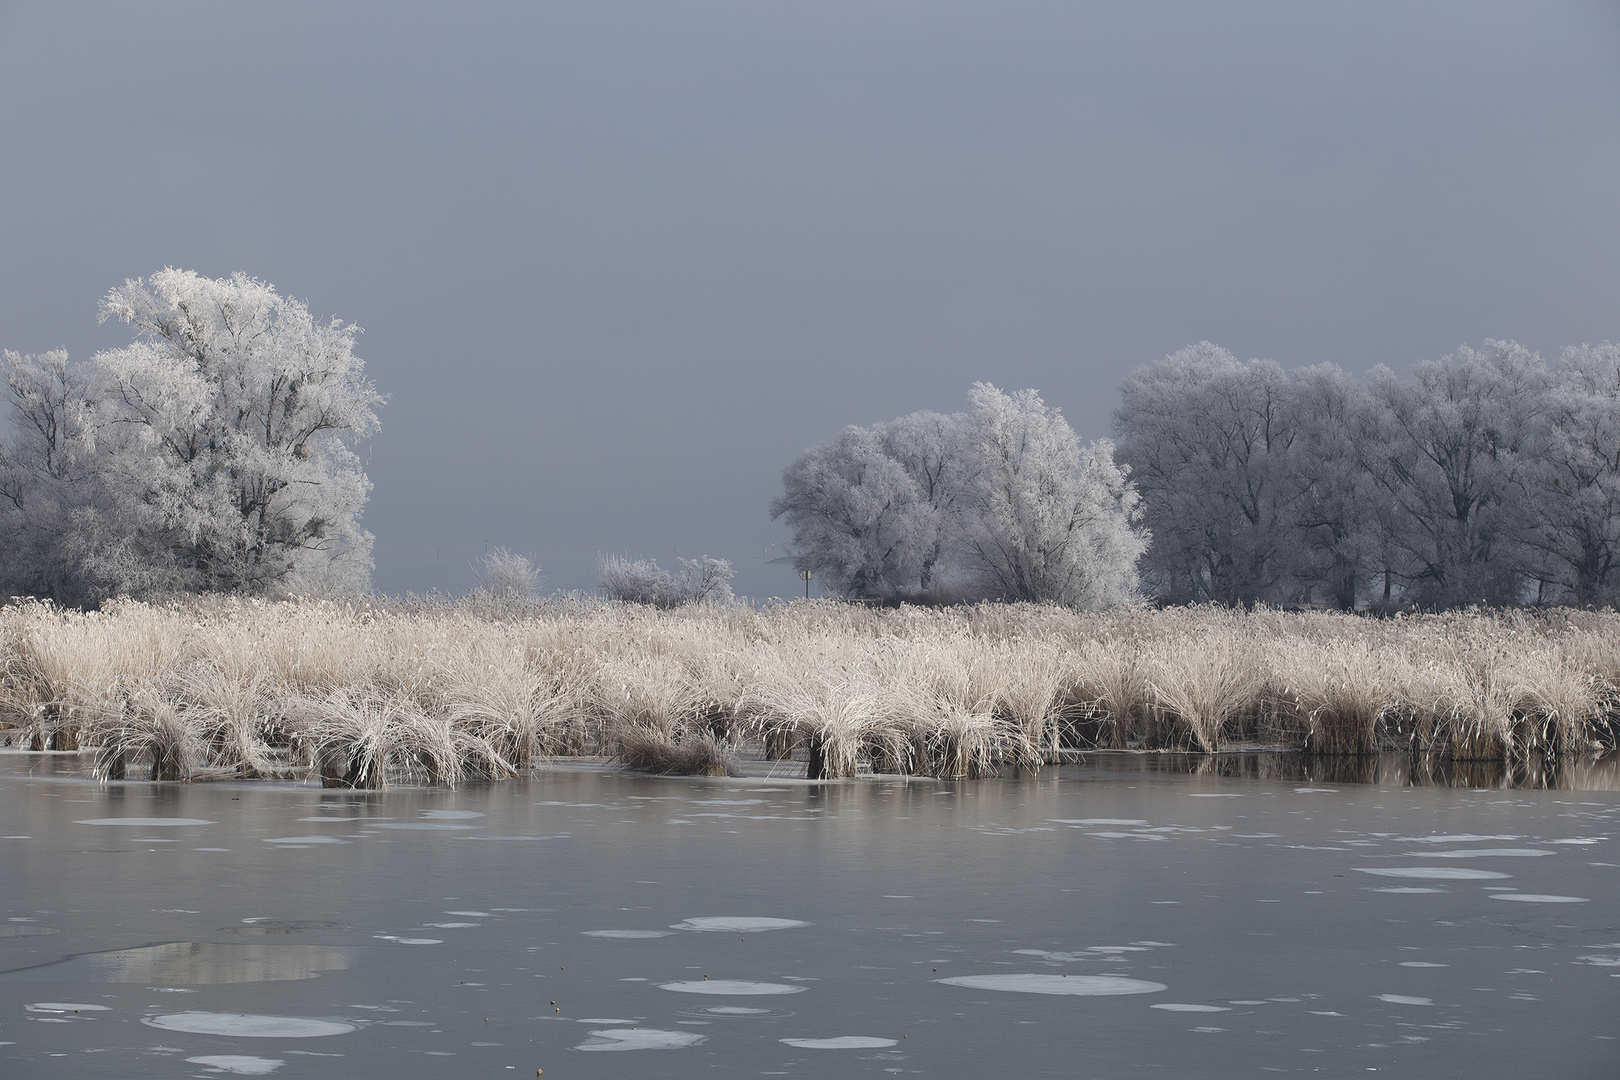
(841, 1042)
(409, 940)
(238, 1064)
(1459, 838)
(145, 822)
(1421, 964)
(65, 1007)
(1402, 999)
(1173, 1007)
(1578, 840)
(471, 914)
(1067, 985)
(253, 1025)
(1538, 898)
(1097, 821)
(1484, 853)
(628, 934)
(449, 925)
(1434, 873)
(640, 1039)
(736, 1010)
(730, 987)
(737, 924)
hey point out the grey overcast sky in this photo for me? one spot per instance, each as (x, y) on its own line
(619, 263)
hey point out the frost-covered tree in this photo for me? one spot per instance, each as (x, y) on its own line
(861, 522)
(1000, 501)
(1572, 477)
(1036, 516)
(1336, 512)
(1207, 440)
(1445, 448)
(211, 453)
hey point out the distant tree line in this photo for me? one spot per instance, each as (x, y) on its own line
(1487, 476)
(212, 453)
(1000, 501)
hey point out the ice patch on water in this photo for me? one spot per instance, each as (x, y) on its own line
(1097, 821)
(25, 930)
(304, 840)
(730, 987)
(145, 822)
(449, 925)
(737, 924)
(471, 914)
(1172, 1007)
(841, 1042)
(65, 1007)
(408, 940)
(1421, 964)
(640, 1039)
(1484, 853)
(1599, 960)
(252, 1025)
(628, 934)
(1316, 791)
(1460, 838)
(1578, 840)
(1402, 999)
(1435, 873)
(238, 1064)
(1069, 985)
(1539, 898)
(743, 1010)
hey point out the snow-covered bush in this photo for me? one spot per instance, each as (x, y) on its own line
(643, 581)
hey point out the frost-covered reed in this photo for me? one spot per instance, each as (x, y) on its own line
(367, 693)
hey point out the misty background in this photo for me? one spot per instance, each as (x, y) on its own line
(619, 264)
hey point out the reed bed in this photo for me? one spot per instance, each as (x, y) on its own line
(367, 693)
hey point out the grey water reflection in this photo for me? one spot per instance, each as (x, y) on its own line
(194, 963)
(1596, 772)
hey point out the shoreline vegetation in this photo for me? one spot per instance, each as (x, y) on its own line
(365, 693)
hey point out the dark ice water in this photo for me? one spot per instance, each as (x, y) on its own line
(1098, 921)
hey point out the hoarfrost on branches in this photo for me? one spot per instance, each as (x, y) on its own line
(1000, 502)
(211, 453)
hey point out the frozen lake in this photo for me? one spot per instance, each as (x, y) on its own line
(1103, 919)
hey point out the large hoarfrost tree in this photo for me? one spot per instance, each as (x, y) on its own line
(1448, 444)
(1000, 501)
(1208, 439)
(1572, 477)
(1036, 516)
(214, 452)
(860, 521)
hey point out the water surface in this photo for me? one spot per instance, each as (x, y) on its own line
(1120, 915)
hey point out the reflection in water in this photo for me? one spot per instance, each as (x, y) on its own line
(1592, 773)
(195, 962)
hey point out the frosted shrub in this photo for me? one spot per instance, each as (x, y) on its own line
(643, 581)
(506, 575)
